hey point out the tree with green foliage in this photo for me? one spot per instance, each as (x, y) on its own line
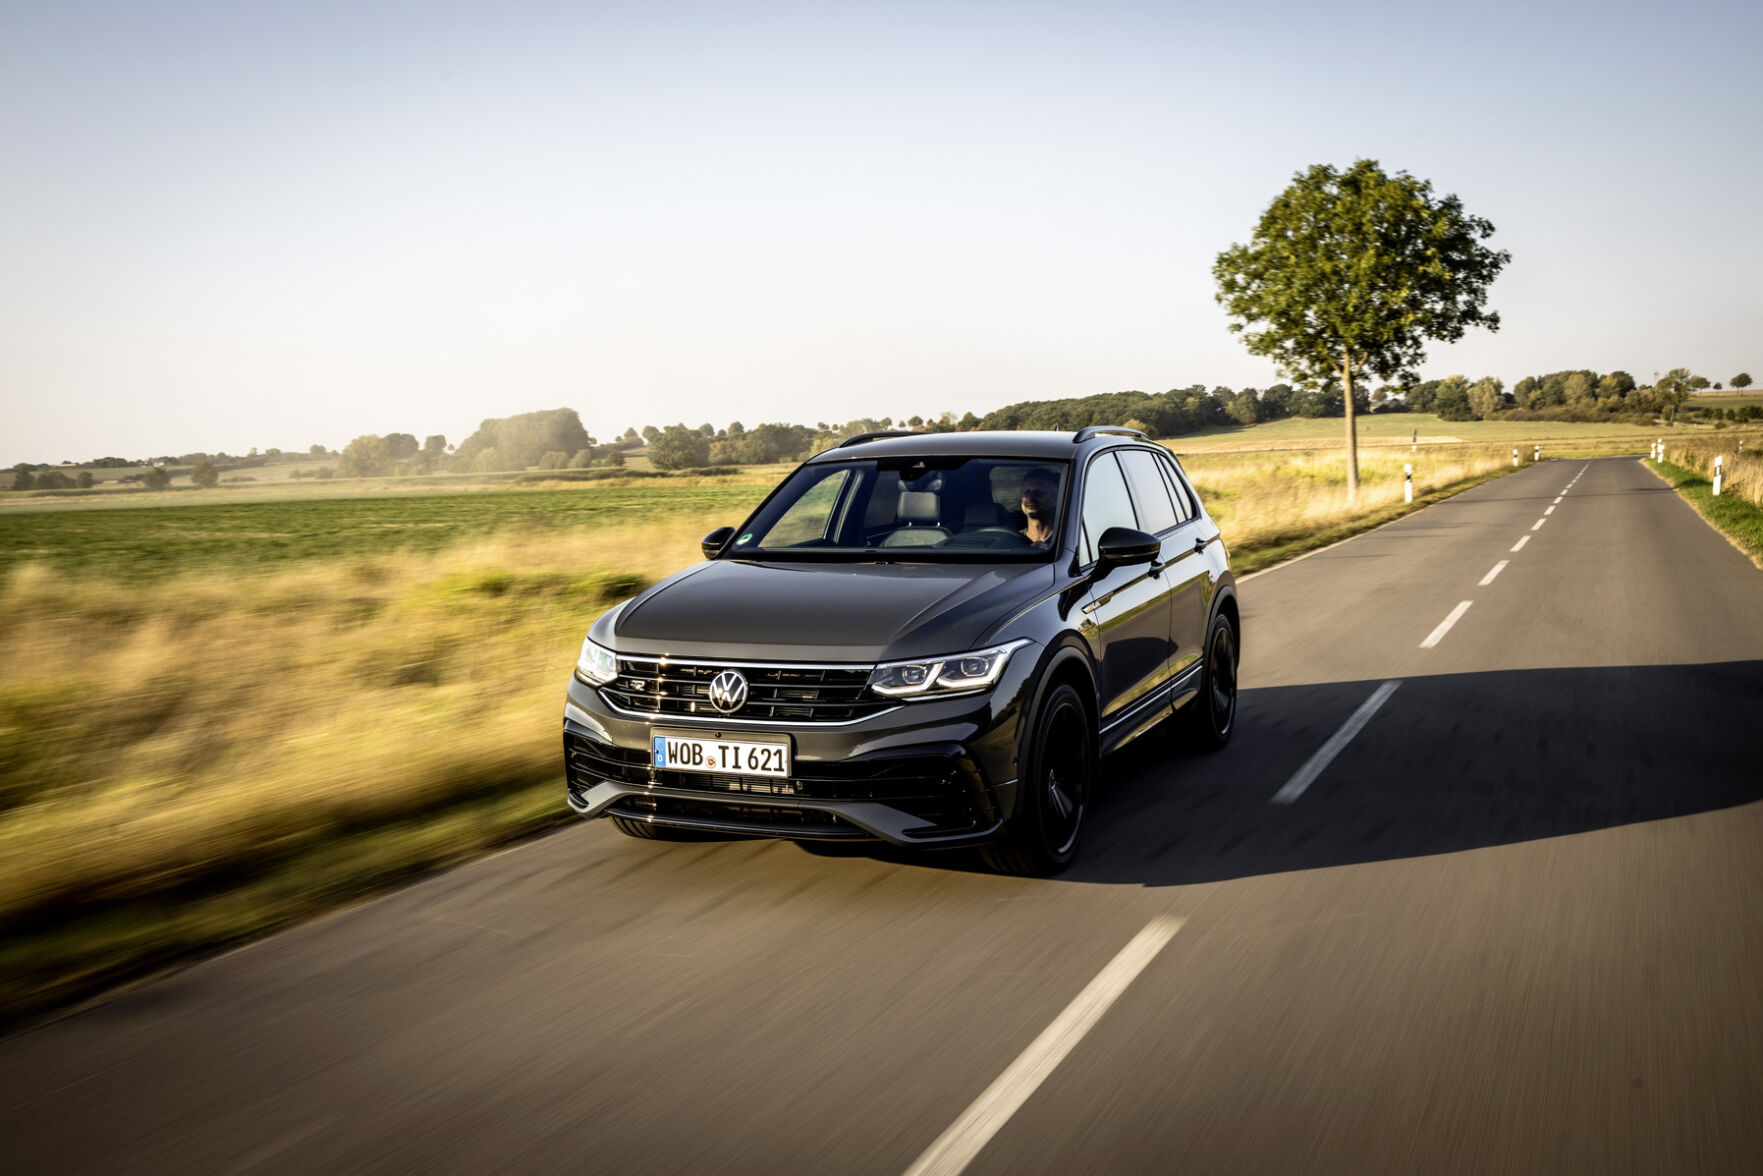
(1351, 272)
(1450, 399)
(157, 478)
(1615, 386)
(206, 475)
(774, 442)
(522, 440)
(1673, 388)
(1742, 380)
(1245, 409)
(679, 448)
(1580, 390)
(86, 480)
(1486, 398)
(615, 458)
(368, 456)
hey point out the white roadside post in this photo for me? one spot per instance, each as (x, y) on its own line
(1538, 455)
(1515, 456)
(1717, 473)
(1407, 483)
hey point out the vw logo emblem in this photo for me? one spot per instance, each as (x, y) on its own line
(728, 691)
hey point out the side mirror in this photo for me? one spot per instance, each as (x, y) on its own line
(714, 542)
(1121, 546)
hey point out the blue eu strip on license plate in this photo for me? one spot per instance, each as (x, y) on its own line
(660, 752)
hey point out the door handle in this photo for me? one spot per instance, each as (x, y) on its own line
(1199, 543)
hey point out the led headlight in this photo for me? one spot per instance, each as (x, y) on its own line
(977, 670)
(597, 664)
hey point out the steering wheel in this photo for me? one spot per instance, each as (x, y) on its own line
(988, 537)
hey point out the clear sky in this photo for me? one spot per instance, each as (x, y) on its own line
(237, 224)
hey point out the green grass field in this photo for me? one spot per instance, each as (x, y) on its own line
(1732, 399)
(144, 543)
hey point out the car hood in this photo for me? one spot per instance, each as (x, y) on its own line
(824, 611)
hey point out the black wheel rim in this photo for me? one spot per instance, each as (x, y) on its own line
(1065, 776)
(1223, 674)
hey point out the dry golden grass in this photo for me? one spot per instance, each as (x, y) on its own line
(1743, 465)
(1265, 499)
(154, 735)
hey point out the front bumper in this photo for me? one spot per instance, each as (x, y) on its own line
(933, 773)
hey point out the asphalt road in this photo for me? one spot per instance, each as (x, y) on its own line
(1514, 925)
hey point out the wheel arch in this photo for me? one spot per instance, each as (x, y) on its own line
(1066, 661)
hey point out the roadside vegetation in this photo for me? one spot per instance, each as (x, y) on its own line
(1688, 467)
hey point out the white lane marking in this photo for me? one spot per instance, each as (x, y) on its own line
(964, 1139)
(1438, 634)
(1521, 542)
(1313, 767)
(1539, 524)
(1548, 511)
(1558, 498)
(1498, 568)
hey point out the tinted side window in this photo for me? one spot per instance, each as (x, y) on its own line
(1106, 503)
(1184, 502)
(1149, 492)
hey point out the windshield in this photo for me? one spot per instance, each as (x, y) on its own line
(961, 509)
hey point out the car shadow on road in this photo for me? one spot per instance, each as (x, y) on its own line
(1451, 762)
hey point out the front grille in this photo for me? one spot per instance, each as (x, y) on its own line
(928, 787)
(798, 694)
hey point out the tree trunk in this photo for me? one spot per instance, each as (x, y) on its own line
(1352, 428)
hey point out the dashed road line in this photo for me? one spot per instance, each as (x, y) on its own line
(1549, 511)
(1498, 568)
(1313, 767)
(1521, 542)
(1538, 525)
(969, 1134)
(1438, 634)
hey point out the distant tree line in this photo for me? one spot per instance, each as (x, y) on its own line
(555, 439)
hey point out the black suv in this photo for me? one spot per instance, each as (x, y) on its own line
(926, 639)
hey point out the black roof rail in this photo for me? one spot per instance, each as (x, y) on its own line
(862, 437)
(1088, 431)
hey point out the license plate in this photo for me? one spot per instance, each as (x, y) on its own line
(753, 756)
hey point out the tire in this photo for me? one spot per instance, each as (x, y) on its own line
(1041, 837)
(1212, 715)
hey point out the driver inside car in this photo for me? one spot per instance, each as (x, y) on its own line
(1040, 497)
